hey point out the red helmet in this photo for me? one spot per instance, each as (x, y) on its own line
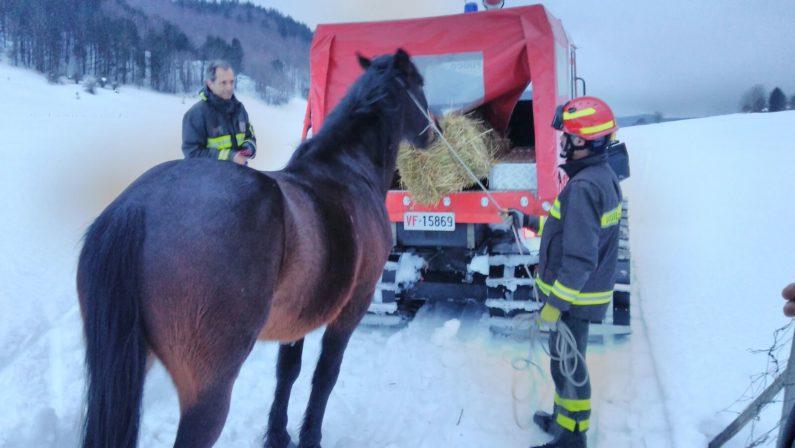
(587, 117)
(493, 4)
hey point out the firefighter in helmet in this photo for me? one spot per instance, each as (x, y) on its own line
(578, 257)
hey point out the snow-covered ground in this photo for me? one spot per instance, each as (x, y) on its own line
(711, 217)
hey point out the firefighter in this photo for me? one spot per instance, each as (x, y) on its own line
(578, 257)
(217, 126)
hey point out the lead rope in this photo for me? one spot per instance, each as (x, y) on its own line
(570, 356)
(454, 153)
(522, 395)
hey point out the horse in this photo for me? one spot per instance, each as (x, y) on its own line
(198, 259)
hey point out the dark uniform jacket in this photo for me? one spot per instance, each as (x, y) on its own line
(217, 129)
(579, 242)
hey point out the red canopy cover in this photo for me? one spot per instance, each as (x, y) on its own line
(502, 50)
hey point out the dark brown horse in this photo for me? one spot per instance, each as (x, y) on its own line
(197, 259)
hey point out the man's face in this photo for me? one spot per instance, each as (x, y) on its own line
(224, 84)
(577, 151)
(575, 140)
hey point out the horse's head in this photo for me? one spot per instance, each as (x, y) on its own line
(416, 124)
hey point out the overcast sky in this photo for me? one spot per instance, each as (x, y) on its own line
(678, 57)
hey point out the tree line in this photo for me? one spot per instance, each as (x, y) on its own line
(115, 41)
(756, 99)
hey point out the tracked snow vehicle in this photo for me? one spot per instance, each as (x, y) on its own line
(512, 66)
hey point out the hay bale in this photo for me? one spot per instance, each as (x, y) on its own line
(432, 173)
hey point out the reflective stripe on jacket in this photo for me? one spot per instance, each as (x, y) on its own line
(217, 129)
(579, 245)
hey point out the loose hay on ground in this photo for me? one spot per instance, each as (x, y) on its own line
(432, 173)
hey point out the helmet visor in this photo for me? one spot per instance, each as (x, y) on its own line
(557, 119)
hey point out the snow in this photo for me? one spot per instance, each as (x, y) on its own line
(408, 270)
(710, 219)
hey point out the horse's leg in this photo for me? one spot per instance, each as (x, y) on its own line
(202, 421)
(288, 367)
(204, 383)
(335, 339)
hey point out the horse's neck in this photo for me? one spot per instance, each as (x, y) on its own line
(351, 151)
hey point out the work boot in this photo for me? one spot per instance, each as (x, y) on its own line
(566, 439)
(545, 421)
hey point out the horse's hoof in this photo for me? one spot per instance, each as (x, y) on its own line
(275, 441)
(289, 444)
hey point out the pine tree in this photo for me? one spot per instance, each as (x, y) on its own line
(235, 55)
(213, 48)
(778, 101)
(122, 43)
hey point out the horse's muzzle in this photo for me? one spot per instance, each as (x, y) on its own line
(430, 136)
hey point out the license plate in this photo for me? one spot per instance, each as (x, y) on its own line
(444, 222)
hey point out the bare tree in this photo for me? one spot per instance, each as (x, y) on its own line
(754, 100)
(157, 42)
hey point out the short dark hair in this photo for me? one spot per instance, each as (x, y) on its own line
(209, 73)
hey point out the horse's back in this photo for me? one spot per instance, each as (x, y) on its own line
(212, 251)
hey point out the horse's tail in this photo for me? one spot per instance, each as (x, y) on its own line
(109, 285)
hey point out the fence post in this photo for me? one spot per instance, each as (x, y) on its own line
(787, 381)
(789, 394)
(749, 413)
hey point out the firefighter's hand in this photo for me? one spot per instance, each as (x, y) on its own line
(249, 149)
(513, 217)
(549, 314)
(789, 294)
(240, 158)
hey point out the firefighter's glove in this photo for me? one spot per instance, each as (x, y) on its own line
(513, 217)
(518, 220)
(549, 314)
(248, 149)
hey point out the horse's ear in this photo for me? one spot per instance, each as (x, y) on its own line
(402, 62)
(363, 61)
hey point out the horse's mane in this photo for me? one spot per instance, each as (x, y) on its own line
(365, 105)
